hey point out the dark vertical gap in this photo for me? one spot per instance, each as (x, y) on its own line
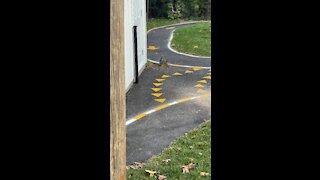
(135, 54)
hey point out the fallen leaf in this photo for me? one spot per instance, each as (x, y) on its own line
(204, 174)
(200, 154)
(139, 165)
(166, 160)
(161, 177)
(151, 173)
(187, 168)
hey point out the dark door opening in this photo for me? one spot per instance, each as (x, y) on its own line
(136, 69)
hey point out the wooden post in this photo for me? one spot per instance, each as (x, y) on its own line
(117, 92)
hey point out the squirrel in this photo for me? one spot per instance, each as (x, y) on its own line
(162, 66)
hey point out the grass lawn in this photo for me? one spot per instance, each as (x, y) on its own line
(195, 40)
(195, 147)
(152, 23)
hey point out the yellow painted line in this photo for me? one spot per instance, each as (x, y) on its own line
(165, 76)
(157, 84)
(162, 107)
(196, 68)
(159, 108)
(177, 74)
(156, 89)
(156, 94)
(207, 77)
(183, 100)
(140, 116)
(160, 80)
(152, 48)
(203, 81)
(188, 72)
(180, 65)
(199, 86)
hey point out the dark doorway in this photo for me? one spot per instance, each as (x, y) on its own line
(135, 41)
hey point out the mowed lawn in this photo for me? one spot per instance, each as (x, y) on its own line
(194, 40)
(194, 147)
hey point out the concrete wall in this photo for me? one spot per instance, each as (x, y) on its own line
(135, 15)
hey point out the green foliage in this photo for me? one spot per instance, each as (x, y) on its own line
(175, 9)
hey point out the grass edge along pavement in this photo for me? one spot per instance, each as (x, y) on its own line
(159, 22)
(199, 44)
(194, 147)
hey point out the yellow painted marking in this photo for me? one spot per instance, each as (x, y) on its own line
(177, 74)
(152, 48)
(160, 100)
(207, 77)
(203, 81)
(156, 94)
(160, 80)
(156, 89)
(162, 107)
(140, 116)
(201, 91)
(157, 84)
(188, 72)
(165, 76)
(196, 68)
(198, 86)
(183, 100)
(209, 73)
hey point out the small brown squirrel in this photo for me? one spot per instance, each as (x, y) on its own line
(163, 62)
(162, 66)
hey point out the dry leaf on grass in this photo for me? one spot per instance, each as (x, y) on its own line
(162, 177)
(166, 160)
(151, 173)
(187, 168)
(139, 165)
(204, 174)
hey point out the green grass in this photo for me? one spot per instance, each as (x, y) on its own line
(194, 147)
(153, 23)
(195, 40)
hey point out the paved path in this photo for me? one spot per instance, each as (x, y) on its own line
(154, 122)
(160, 38)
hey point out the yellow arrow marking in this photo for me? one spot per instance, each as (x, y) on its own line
(203, 81)
(157, 84)
(160, 100)
(196, 68)
(156, 94)
(201, 91)
(165, 76)
(177, 74)
(160, 80)
(188, 72)
(156, 89)
(198, 86)
(207, 77)
(152, 48)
